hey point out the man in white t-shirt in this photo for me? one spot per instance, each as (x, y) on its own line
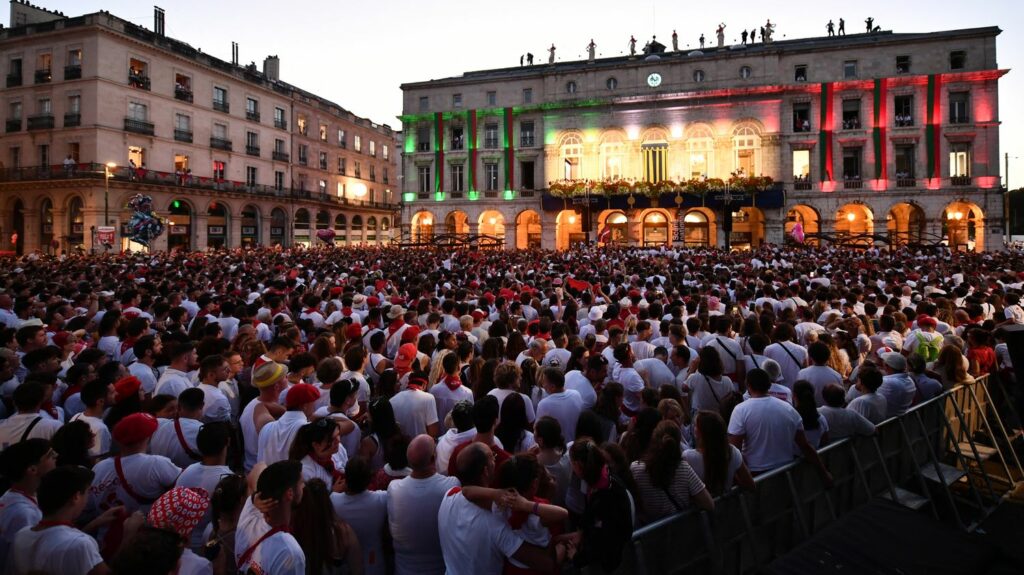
(765, 428)
(175, 438)
(898, 387)
(586, 383)
(655, 370)
(819, 375)
(507, 378)
(842, 422)
(475, 540)
(461, 431)
(791, 356)
(275, 439)
(1013, 313)
(175, 378)
(415, 409)
(28, 423)
(413, 503)
(565, 405)
(728, 349)
(262, 541)
(863, 399)
(97, 396)
(146, 349)
(23, 464)
(626, 375)
(213, 441)
(213, 370)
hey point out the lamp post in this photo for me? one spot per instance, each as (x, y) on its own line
(106, 191)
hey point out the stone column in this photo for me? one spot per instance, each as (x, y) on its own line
(199, 235)
(234, 230)
(511, 235)
(774, 227)
(548, 231)
(61, 230)
(263, 233)
(474, 227)
(31, 239)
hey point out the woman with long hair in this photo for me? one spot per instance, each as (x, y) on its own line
(638, 437)
(951, 367)
(608, 409)
(513, 428)
(328, 543)
(316, 447)
(324, 346)
(516, 345)
(382, 428)
(553, 455)
(666, 482)
(486, 381)
(528, 382)
(980, 353)
(226, 504)
(708, 387)
(815, 424)
(717, 462)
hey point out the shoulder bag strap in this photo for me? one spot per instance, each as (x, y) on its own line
(181, 439)
(126, 486)
(725, 347)
(712, 389)
(247, 555)
(30, 427)
(782, 344)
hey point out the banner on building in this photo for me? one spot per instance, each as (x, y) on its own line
(106, 235)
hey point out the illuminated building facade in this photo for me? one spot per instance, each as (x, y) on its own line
(883, 137)
(231, 155)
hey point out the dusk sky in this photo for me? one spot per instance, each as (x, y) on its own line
(358, 53)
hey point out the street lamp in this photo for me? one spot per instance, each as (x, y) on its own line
(106, 191)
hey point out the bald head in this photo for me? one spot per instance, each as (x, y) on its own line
(474, 464)
(421, 453)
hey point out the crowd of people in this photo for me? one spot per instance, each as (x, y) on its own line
(384, 410)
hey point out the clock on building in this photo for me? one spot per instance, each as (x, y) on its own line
(654, 80)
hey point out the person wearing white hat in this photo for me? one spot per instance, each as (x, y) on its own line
(897, 386)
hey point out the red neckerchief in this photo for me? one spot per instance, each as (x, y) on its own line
(415, 386)
(311, 311)
(49, 408)
(395, 326)
(255, 323)
(72, 390)
(346, 311)
(453, 381)
(25, 495)
(45, 524)
(544, 336)
(203, 312)
(328, 466)
(373, 325)
(127, 344)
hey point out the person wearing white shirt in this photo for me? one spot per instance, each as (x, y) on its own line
(412, 506)
(146, 349)
(842, 422)
(415, 409)
(632, 383)
(212, 442)
(585, 383)
(461, 431)
(366, 512)
(1013, 313)
(23, 464)
(175, 438)
(506, 380)
(175, 378)
(565, 405)
(216, 406)
(708, 387)
(729, 350)
(654, 370)
(133, 478)
(449, 389)
(819, 375)
(864, 399)
(263, 543)
(765, 429)
(28, 422)
(791, 356)
(275, 439)
(898, 387)
(97, 395)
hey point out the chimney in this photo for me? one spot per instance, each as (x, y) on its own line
(272, 68)
(158, 20)
(234, 53)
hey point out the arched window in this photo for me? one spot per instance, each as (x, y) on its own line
(701, 149)
(613, 153)
(571, 151)
(747, 149)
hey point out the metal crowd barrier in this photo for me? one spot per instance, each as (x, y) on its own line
(928, 457)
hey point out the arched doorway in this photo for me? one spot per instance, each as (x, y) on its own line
(179, 226)
(340, 229)
(250, 226)
(422, 229)
(371, 229)
(528, 230)
(46, 225)
(492, 223)
(618, 223)
(18, 227)
(747, 228)
(905, 224)
(216, 225)
(278, 226)
(655, 228)
(568, 229)
(385, 230)
(301, 225)
(808, 218)
(323, 222)
(456, 222)
(963, 227)
(698, 228)
(76, 224)
(853, 220)
(357, 228)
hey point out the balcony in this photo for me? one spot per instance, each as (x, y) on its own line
(138, 126)
(252, 150)
(221, 106)
(250, 115)
(13, 80)
(423, 147)
(138, 80)
(220, 144)
(801, 126)
(43, 76)
(906, 182)
(490, 144)
(279, 156)
(40, 122)
(14, 125)
(280, 123)
(303, 161)
(73, 72)
(182, 93)
(802, 185)
(526, 141)
(183, 136)
(72, 119)
(853, 184)
(960, 181)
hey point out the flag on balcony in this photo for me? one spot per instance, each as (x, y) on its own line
(605, 235)
(798, 233)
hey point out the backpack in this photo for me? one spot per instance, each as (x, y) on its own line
(928, 348)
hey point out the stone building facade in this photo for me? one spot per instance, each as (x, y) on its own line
(866, 138)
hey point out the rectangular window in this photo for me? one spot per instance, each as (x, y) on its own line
(357, 143)
(250, 176)
(526, 175)
(904, 164)
(279, 120)
(852, 164)
(491, 176)
(342, 142)
(220, 99)
(252, 109)
(800, 73)
(45, 106)
(456, 100)
(490, 136)
(278, 145)
(373, 173)
(458, 179)
(323, 132)
(303, 154)
(424, 103)
(851, 114)
(526, 134)
(75, 57)
(527, 95)
(802, 117)
(322, 186)
(303, 125)
(957, 60)
(138, 112)
(74, 104)
(138, 74)
(73, 150)
(44, 155)
(492, 98)
(801, 165)
(426, 184)
(902, 64)
(458, 137)
(252, 140)
(15, 157)
(183, 87)
(220, 131)
(278, 180)
(903, 115)
(341, 166)
(959, 107)
(423, 139)
(850, 69)
(183, 122)
(358, 169)
(960, 160)
(323, 160)
(15, 111)
(373, 148)
(384, 151)
(386, 180)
